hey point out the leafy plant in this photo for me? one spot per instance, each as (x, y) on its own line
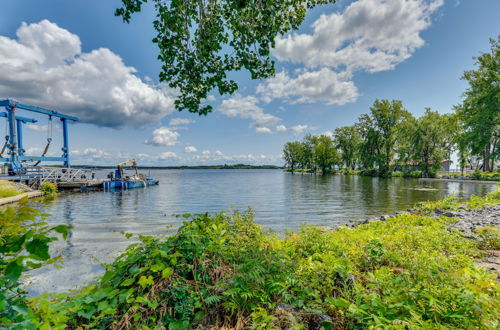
(49, 189)
(24, 245)
(223, 270)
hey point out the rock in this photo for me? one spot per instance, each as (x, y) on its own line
(449, 214)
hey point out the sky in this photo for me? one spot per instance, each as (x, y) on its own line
(76, 57)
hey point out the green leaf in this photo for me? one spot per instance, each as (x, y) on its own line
(63, 230)
(128, 282)
(167, 272)
(38, 248)
(146, 281)
(13, 271)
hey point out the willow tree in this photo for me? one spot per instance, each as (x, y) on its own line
(480, 110)
(202, 41)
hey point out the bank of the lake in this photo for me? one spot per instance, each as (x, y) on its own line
(281, 201)
(416, 269)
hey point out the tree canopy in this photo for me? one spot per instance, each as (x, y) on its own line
(480, 109)
(201, 42)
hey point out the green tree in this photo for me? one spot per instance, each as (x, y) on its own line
(379, 131)
(348, 142)
(480, 110)
(291, 154)
(306, 158)
(325, 153)
(428, 140)
(201, 42)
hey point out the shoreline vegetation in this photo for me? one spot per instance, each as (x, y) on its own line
(476, 176)
(416, 269)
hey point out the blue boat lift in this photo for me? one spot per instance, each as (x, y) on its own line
(14, 140)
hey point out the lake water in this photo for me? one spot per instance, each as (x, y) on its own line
(280, 200)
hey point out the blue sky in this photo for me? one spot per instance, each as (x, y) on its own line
(76, 57)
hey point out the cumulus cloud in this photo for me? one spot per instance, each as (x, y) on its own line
(163, 136)
(45, 66)
(190, 149)
(281, 128)
(371, 35)
(205, 152)
(93, 153)
(368, 35)
(324, 85)
(246, 107)
(298, 129)
(180, 121)
(41, 128)
(167, 155)
(263, 130)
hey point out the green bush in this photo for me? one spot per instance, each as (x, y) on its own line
(48, 188)
(413, 174)
(489, 238)
(24, 245)
(223, 270)
(397, 174)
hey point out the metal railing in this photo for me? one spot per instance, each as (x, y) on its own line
(39, 175)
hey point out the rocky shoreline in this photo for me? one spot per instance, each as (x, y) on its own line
(468, 220)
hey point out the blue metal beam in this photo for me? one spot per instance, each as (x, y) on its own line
(23, 119)
(14, 104)
(35, 158)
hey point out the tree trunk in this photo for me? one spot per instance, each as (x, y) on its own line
(486, 161)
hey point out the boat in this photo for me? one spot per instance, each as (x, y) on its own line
(118, 179)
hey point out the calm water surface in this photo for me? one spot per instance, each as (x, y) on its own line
(280, 200)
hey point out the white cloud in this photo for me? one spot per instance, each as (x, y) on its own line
(266, 130)
(219, 153)
(180, 121)
(371, 35)
(41, 128)
(205, 152)
(368, 35)
(281, 128)
(45, 66)
(167, 155)
(190, 149)
(324, 85)
(298, 129)
(163, 136)
(246, 107)
(93, 153)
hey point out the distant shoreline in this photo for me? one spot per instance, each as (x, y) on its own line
(199, 167)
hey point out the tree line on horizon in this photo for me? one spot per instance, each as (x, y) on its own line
(389, 137)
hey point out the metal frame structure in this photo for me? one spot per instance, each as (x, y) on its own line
(15, 137)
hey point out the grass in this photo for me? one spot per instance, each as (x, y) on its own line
(223, 270)
(7, 189)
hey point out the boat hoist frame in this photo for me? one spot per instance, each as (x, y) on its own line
(14, 139)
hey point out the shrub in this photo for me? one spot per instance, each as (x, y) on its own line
(24, 245)
(48, 188)
(219, 271)
(413, 174)
(397, 174)
(489, 238)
